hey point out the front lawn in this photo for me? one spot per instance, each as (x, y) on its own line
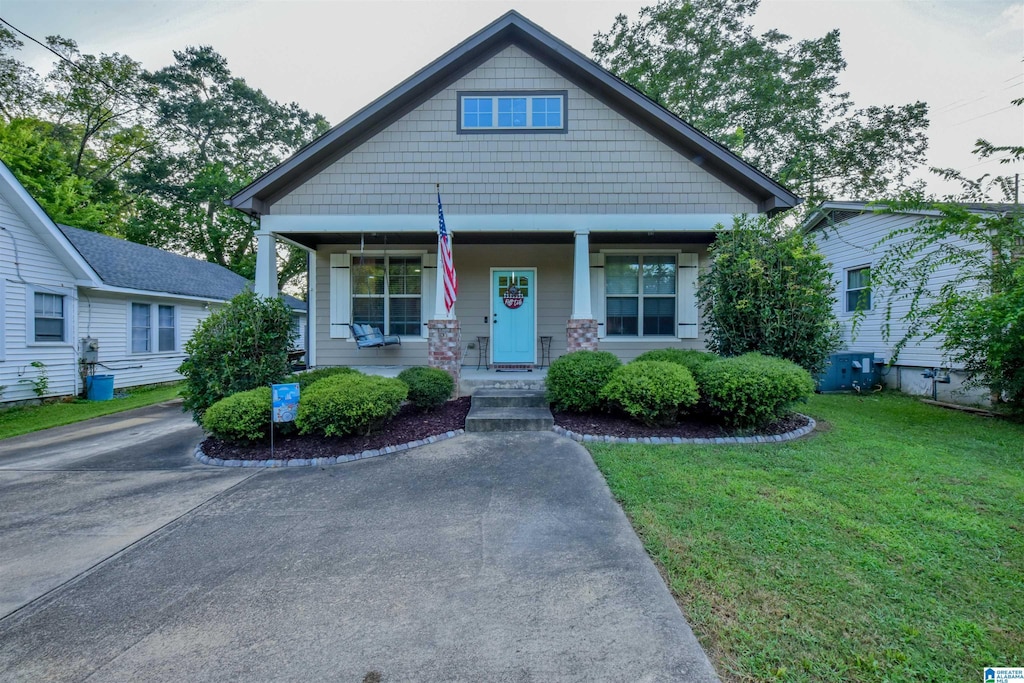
(888, 546)
(15, 421)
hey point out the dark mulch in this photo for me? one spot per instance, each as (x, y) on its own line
(605, 424)
(408, 425)
(411, 425)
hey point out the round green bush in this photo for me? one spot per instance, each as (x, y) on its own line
(688, 358)
(653, 392)
(349, 403)
(429, 388)
(752, 390)
(575, 379)
(244, 416)
(305, 379)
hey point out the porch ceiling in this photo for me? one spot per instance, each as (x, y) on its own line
(312, 240)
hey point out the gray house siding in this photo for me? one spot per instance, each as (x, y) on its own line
(604, 163)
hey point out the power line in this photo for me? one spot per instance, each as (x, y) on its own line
(981, 116)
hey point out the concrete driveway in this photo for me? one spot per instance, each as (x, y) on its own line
(485, 557)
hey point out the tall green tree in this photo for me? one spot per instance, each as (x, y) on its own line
(221, 134)
(20, 87)
(773, 101)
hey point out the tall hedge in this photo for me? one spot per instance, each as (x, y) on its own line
(769, 290)
(242, 346)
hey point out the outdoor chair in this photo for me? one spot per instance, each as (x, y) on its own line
(371, 337)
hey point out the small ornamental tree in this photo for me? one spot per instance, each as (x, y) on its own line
(769, 291)
(240, 347)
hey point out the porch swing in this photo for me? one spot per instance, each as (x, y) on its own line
(367, 336)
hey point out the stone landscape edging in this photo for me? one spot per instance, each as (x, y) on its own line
(329, 460)
(718, 440)
(582, 438)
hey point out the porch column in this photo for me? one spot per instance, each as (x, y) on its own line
(444, 348)
(266, 265)
(581, 329)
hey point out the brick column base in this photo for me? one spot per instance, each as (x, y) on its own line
(444, 348)
(581, 335)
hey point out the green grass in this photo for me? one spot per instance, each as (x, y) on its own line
(27, 419)
(888, 546)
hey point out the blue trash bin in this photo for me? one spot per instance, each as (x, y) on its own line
(99, 387)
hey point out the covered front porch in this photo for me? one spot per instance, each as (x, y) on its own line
(532, 287)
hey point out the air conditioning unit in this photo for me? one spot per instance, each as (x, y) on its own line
(849, 371)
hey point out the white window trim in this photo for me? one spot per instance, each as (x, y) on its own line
(603, 315)
(30, 314)
(154, 329)
(847, 290)
(530, 95)
(425, 280)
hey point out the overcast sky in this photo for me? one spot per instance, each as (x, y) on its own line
(962, 57)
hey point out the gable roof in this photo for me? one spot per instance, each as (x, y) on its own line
(834, 213)
(512, 29)
(128, 265)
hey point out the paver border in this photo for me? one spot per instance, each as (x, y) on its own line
(582, 438)
(330, 460)
(662, 440)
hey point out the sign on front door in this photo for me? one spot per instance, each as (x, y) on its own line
(513, 316)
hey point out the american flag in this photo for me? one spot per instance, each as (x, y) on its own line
(444, 247)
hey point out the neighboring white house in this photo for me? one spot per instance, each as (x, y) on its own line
(581, 210)
(59, 285)
(850, 236)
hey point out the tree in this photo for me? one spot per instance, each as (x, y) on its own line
(20, 88)
(770, 291)
(221, 135)
(976, 307)
(772, 101)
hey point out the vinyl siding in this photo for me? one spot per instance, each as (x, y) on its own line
(107, 317)
(554, 264)
(35, 265)
(604, 163)
(851, 244)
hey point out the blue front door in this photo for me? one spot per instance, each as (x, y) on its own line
(513, 319)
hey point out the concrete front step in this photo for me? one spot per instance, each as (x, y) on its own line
(506, 419)
(509, 398)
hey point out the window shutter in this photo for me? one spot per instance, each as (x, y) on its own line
(686, 297)
(429, 283)
(597, 307)
(341, 296)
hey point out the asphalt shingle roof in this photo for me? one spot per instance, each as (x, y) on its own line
(121, 263)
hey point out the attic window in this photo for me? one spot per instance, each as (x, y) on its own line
(512, 112)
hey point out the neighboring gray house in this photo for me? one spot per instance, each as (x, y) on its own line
(60, 284)
(848, 235)
(581, 210)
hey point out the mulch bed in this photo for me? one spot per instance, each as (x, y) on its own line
(604, 424)
(410, 425)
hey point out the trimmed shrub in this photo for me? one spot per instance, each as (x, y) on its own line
(575, 380)
(688, 358)
(653, 392)
(244, 416)
(242, 346)
(305, 379)
(349, 403)
(429, 388)
(752, 390)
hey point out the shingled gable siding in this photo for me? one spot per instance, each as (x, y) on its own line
(37, 266)
(603, 164)
(473, 262)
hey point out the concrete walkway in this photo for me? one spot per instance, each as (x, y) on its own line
(485, 557)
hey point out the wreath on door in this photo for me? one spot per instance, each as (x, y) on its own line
(513, 297)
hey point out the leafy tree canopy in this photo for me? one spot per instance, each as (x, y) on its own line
(771, 100)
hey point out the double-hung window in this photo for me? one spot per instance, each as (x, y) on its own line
(512, 111)
(858, 289)
(640, 291)
(387, 293)
(49, 317)
(153, 328)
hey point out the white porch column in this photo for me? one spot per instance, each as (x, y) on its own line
(266, 265)
(581, 308)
